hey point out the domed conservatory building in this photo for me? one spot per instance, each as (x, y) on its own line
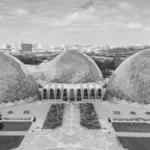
(15, 82)
(76, 78)
(131, 80)
(64, 108)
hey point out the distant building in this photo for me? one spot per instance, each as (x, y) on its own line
(26, 47)
(5, 48)
(40, 48)
(8, 46)
(17, 46)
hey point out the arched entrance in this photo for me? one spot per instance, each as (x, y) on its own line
(58, 94)
(79, 96)
(65, 95)
(72, 98)
(92, 94)
(44, 94)
(85, 94)
(99, 93)
(52, 94)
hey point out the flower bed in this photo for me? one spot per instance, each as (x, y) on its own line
(88, 116)
(15, 126)
(54, 116)
(10, 142)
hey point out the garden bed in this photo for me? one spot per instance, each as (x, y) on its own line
(15, 126)
(131, 127)
(135, 143)
(10, 142)
(88, 116)
(54, 117)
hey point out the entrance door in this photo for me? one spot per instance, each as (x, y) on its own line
(52, 94)
(92, 96)
(44, 94)
(99, 94)
(79, 95)
(58, 94)
(65, 95)
(72, 98)
(85, 94)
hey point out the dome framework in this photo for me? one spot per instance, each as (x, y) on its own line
(131, 80)
(15, 82)
(73, 76)
(73, 67)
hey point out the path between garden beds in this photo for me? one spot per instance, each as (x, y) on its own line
(71, 135)
(71, 115)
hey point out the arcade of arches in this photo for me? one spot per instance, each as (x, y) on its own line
(73, 92)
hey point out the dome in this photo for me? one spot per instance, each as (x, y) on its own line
(15, 82)
(131, 80)
(73, 67)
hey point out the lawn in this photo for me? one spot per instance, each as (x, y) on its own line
(88, 116)
(131, 127)
(54, 117)
(9, 142)
(15, 126)
(135, 143)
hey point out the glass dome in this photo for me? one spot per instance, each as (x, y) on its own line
(131, 80)
(73, 67)
(15, 82)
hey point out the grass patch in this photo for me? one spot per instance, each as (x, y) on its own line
(15, 126)
(10, 142)
(131, 127)
(135, 143)
(88, 116)
(54, 117)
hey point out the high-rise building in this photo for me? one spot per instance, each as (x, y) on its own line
(17, 46)
(6, 46)
(25, 47)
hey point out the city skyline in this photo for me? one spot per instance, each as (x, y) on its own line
(86, 22)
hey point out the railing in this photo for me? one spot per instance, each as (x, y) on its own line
(17, 119)
(75, 100)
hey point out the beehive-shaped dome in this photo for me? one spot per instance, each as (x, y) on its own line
(73, 67)
(131, 80)
(15, 82)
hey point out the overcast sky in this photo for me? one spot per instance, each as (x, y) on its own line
(100, 22)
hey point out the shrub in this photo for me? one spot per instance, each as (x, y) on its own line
(54, 116)
(88, 116)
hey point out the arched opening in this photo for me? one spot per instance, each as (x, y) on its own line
(58, 94)
(65, 95)
(85, 95)
(99, 93)
(44, 94)
(52, 94)
(79, 95)
(41, 94)
(72, 95)
(92, 95)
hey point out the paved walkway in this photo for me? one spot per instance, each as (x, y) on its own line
(13, 133)
(71, 135)
(132, 134)
(71, 115)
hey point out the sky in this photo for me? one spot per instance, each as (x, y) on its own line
(84, 22)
